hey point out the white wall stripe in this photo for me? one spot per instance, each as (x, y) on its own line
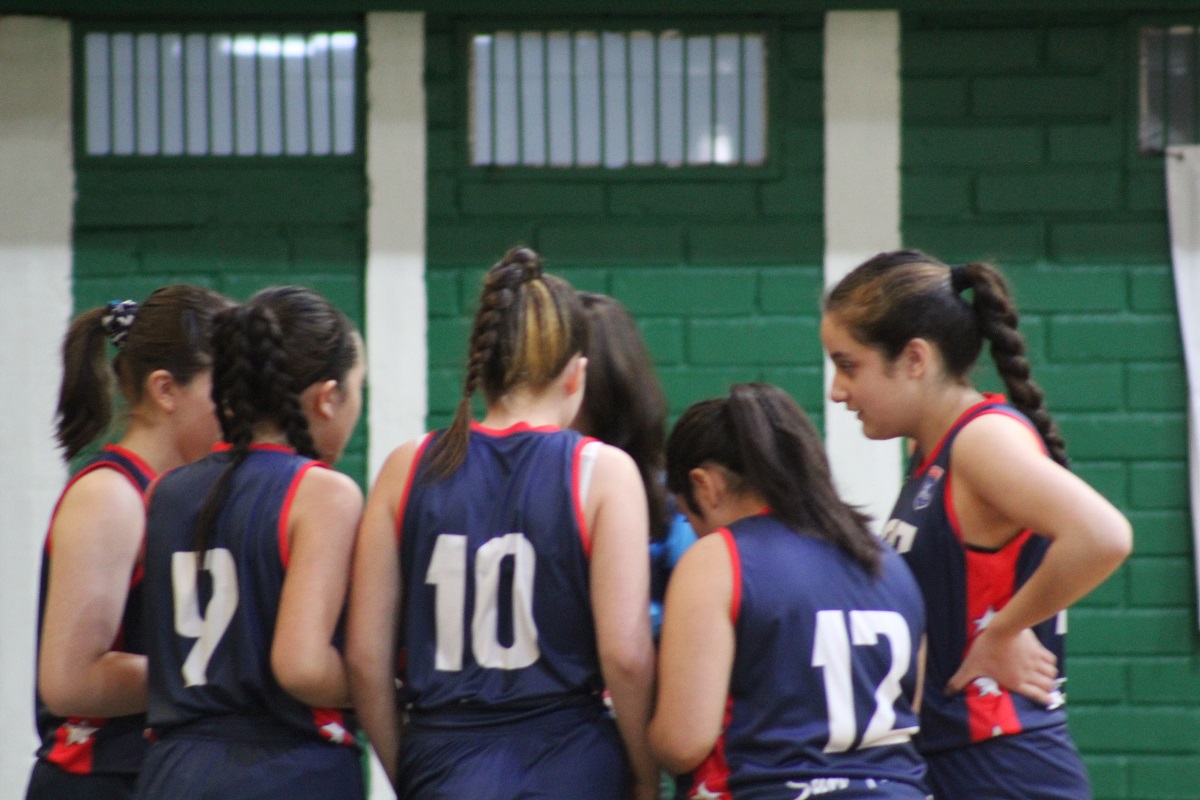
(35, 270)
(395, 285)
(862, 214)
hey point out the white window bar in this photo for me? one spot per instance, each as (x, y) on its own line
(617, 99)
(220, 94)
(1169, 87)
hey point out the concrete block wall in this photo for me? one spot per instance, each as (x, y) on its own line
(1019, 145)
(234, 226)
(722, 267)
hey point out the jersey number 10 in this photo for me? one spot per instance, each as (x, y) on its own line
(448, 572)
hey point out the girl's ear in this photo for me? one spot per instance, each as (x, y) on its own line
(576, 375)
(918, 358)
(160, 388)
(707, 488)
(322, 398)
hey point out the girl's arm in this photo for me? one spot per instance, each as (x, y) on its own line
(324, 517)
(695, 658)
(375, 609)
(1001, 475)
(620, 589)
(95, 545)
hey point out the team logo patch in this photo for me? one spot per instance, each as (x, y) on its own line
(925, 493)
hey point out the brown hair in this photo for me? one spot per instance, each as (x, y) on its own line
(169, 331)
(527, 327)
(266, 352)
(765, 441)
(896, 297)
(624, 404)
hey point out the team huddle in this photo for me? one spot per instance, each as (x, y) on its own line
(223, 616)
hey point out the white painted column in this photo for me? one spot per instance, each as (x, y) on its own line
(35, 273)
(396, 334)
(397, 329)
(862, 215)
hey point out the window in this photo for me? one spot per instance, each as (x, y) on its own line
(1169, 105)
(617, 99)
(220, 94)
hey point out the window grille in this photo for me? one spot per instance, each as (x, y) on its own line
(1169, 97)
(618, 99)
(220, 94)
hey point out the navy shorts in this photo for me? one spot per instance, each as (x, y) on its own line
(1036, 765)
(203, 766)
(48, 782)
(572, 752)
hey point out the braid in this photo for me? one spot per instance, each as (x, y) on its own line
(277, 385)
(997, 318)
(489, 352)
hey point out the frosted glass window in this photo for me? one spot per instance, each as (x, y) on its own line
(617, 99)
(221, 94)
(1169, 96)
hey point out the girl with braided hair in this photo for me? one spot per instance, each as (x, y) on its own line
(247, 562)
(1000, 535)
(503, 566)
(91, 690)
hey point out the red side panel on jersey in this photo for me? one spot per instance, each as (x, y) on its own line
(285, 513)
(75, 745)
(711, 779)
(412, 473)
(331, 725)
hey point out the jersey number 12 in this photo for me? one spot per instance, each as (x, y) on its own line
(448, 572)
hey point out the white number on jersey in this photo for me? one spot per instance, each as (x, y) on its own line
(447, 571)
(899, 535)
(207, 628)
(832, 653)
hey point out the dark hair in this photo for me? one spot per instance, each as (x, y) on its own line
(527, 327)
(624, 404)
(896, 297)
(762, 438)
(266, 352)
(170, 331)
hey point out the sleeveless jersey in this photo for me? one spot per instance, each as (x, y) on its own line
(964, 587)
(84, 745)
(209, 632)
(824, 670)
(497, 615)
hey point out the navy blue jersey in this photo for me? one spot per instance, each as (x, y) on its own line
(209, 631)
(95, 745)
(824, 670)
(497, 611)
(964, 587)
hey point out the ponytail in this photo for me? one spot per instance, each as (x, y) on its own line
(85, 396)
(768, 446)
(997, 319)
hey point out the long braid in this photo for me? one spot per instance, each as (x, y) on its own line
(277, 385)
(997, 319)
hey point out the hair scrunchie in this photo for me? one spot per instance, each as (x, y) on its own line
(960, 281)
(117, 321)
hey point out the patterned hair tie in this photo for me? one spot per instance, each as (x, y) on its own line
(118, 320)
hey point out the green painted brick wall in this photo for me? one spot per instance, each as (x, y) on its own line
(235, 226)
(1019, 145)
(722, 268)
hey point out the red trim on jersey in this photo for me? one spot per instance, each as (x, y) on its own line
(225, 447)
(75, 757)
(408, 484)
(932, 455)
(713, 773)
(576, 500)
(285, 549)
(517, 427)
(138, 461)
(331, 725)
(735, 564)
(90, 468)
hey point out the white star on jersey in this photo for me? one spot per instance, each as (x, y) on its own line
(988, 686)
(982, 623)
(334, 732)
(704, 793)
(79, 732)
